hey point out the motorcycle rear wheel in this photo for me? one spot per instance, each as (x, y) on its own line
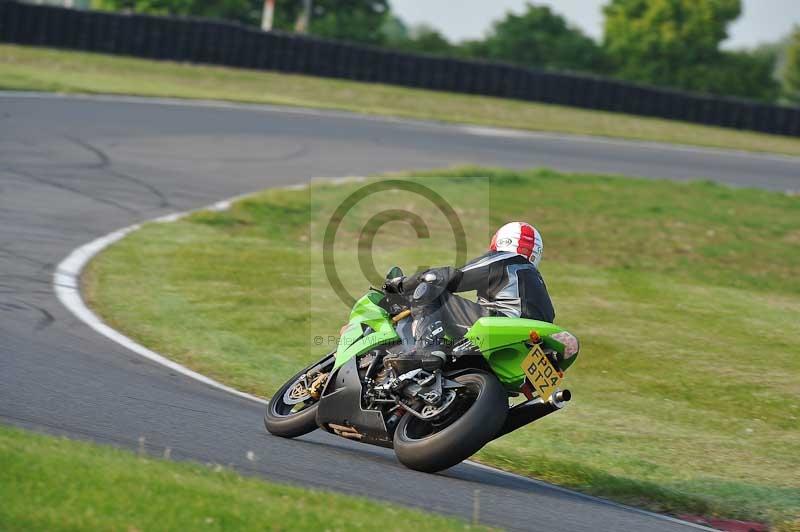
(474, 421)
(283, 418)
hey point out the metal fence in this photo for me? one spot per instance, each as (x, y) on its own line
(231, 44)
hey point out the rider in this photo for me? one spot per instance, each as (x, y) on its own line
(507, 281)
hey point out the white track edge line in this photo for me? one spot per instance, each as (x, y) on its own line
(67, 286)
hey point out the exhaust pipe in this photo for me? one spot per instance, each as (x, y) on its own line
(351, 433)
(530, 411)
(561, 398)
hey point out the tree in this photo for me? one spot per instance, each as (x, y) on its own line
(425, 39)
(349, 20)
(395, 31)
(666, 42)
(746, 74)
(677, 43)
(791, 70)
(246, 11)
(540, 38)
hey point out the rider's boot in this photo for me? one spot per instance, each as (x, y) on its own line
(429, 332)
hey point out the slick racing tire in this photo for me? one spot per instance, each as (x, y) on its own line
(474, 419)
(283, 417)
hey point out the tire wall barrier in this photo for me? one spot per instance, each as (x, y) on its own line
(231, 44)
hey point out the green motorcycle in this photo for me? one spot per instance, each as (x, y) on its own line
(432, 418)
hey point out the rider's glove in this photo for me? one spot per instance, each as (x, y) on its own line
(393, 286)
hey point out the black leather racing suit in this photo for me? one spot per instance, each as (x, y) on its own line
(507, 284)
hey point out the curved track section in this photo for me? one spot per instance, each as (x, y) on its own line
(73, 169)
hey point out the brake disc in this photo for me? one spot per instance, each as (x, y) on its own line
(297, 393)
(431, 411)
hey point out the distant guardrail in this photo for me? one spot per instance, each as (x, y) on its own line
(231, 44)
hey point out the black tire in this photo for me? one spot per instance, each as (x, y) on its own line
(279, 422)
(463, 437)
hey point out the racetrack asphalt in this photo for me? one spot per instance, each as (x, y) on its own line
(73, 169)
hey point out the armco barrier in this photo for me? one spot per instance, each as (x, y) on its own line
(224, 43)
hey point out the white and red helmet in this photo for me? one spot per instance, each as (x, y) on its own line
(521, 238)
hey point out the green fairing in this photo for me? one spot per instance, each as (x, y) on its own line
(366, 312)
(502, 341)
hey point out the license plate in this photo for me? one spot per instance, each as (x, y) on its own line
(540, 372)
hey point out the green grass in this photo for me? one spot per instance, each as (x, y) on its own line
(49, 483)
(28, 68)
(685, 297)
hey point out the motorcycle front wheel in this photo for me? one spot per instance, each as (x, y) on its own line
(474, 418)
(292, 410)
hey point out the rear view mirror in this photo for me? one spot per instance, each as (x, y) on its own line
(395, 272)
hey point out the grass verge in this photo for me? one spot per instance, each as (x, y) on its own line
(685, 297)
(51, 483)
(29, 68)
